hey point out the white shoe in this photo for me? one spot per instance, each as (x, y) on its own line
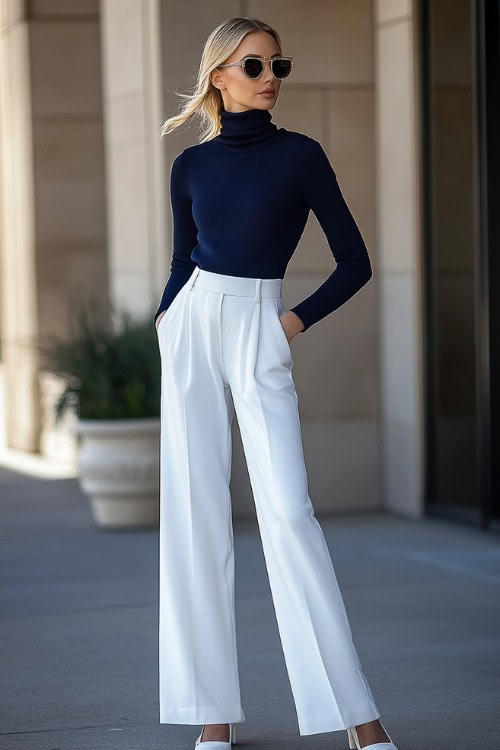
(216, 744)
(354, 741)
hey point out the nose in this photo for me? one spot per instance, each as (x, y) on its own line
(267, 73)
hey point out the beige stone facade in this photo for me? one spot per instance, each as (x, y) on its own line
(85, 205)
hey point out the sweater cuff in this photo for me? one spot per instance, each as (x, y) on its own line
(301, 313)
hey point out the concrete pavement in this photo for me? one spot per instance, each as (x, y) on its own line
(78, 630)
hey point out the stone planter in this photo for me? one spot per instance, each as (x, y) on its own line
(119, 470)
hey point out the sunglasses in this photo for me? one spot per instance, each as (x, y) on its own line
(253, 67)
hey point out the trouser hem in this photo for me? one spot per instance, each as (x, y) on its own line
(317, 724)
(206, 715)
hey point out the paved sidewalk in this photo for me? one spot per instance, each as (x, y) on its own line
(78, 630)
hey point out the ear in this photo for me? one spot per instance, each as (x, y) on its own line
(216, 79)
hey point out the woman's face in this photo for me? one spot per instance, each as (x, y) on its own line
(238, 91)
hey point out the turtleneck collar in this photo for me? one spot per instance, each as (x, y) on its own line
(245, 130)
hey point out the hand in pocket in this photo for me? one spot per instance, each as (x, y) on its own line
(160, 316)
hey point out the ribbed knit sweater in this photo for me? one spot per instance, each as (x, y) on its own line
(240, 203)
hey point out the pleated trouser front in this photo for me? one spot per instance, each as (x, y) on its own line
(224, 352)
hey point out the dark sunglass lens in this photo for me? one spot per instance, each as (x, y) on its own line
(282, 68)
(253, 67)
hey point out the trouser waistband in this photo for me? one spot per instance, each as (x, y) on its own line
(240, 286)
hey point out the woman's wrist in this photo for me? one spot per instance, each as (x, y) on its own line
(291, 323)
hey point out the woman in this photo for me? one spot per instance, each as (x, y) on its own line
(240, 202)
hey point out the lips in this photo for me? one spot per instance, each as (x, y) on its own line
(267, 91)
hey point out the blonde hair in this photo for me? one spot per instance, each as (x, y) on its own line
(206, 99)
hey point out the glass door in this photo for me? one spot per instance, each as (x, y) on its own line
(460, 153)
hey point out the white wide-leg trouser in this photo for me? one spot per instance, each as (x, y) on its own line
(224, 351)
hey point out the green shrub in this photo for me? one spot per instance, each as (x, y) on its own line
(111, 368)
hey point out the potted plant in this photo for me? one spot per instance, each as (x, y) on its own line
(110, 372)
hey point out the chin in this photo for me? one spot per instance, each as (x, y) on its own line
(266, 103)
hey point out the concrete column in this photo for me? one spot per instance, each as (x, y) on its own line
(18, 288)
(399, 274)
(53, 205)
(135, 162)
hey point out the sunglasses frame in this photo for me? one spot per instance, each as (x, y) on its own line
(263, 60)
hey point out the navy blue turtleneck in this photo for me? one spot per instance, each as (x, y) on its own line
(240, 203)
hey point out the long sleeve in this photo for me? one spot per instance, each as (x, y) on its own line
(185, 235)
(353, 269)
